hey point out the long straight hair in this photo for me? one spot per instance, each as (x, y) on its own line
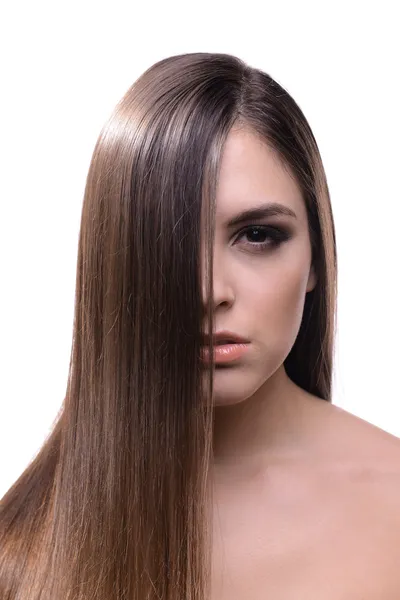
(116, 504)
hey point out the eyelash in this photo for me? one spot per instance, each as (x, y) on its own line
(276, 235)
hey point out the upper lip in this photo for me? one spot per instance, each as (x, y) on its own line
(225, 336)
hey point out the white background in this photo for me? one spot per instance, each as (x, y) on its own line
(64, 67)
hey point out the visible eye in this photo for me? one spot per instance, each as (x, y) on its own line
(265, 236)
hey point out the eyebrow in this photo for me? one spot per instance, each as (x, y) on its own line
(262, 211)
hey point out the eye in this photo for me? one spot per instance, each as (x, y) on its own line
(264, 236)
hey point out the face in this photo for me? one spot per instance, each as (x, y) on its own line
(262, 266)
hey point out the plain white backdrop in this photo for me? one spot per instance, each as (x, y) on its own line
(64, 67)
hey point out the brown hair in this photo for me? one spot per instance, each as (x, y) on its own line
(115, 503)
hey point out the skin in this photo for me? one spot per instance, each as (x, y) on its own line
(305, 494)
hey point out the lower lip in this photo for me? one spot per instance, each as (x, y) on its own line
(225, 352)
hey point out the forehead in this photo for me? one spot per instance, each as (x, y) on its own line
(252, 174)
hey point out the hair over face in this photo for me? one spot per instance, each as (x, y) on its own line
(115, 505)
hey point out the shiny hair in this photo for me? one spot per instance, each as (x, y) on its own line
(116, 503)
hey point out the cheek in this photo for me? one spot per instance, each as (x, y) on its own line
(276, 300)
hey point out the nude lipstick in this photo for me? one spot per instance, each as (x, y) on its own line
(227, 347)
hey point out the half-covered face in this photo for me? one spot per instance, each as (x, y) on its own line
(262, 267)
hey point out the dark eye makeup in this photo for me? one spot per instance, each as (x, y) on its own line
(273, 236)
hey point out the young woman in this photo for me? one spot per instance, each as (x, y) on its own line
(198, 453)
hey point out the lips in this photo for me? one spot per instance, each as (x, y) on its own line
(225, 337)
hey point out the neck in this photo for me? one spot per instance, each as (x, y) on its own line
(265, 426)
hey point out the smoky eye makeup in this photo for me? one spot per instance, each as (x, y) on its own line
(260, 237)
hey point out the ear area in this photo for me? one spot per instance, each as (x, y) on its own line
(312, 279)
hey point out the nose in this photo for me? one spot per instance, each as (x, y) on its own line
(223, 292)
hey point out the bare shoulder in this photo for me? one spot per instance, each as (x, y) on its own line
(376, 453)
(364, 443)
(365, 465)
(366, 460)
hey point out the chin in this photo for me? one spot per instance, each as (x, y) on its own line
(227, 401)
(229, 393)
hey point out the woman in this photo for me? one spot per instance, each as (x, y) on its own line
(185, 465)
